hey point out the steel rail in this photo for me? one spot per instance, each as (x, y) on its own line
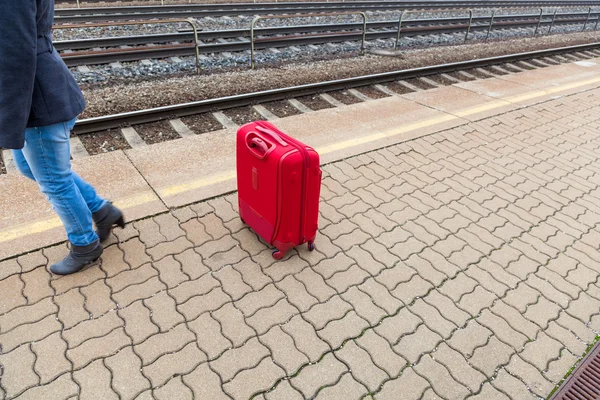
(181, 110)
(321, 35)
(294, 4)
(140, 13)
(183, 35)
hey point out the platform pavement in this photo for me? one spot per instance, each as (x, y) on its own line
(460, 264)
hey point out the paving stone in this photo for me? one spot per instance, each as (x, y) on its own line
(30, 332)
(336, 332)
(196, 232)
(346, 387)
(528, 374)
(326, 372)
(138, 291)
(149, 232)
(37, 285)
(18, 371)
(61, 388)
(364, 305)
(381, 353)
(255, 380)
(164, 311)
(305, 338)
(426, 270)
(556, 369)
(169, 226)
(515, 319)
(409, 385)
(541, 351)
(413, 346)
(98, 299)
(322, 313)
(134, 253)
(232, 361)
(584, 307)
(95, 382)
(138, 322)
(361, 365)
(95, 348)
(491, 356)
(131, 277)
(127, 378)
(447, 308)
(502, 330)
(328, 267)
(459, 368)
(170, 271)
(177, 363)
(473, 336)
(574, 344)
(175, 388)
(162, 343)
(200, 286)
(232, 282)
(198, 305)
(315, 285)
(380, 253)
(204, 383)
(456, 288)
(252, 274)
(113, 261)
(92, 328)
(283, 350)
(209, 336)
(440, 379)
(265, 318)
(542, 312)
(433, 319)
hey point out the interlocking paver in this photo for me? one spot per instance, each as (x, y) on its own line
(440, 379)
(164, 311)
(265, 318)
(326, 372)
(18, 373)
(407, 386)
(138, 322)
(92, 328)
(175, 388)
(414, 345)
(534, 380)
(127, 379)
(162, 343)
(171, 364)
(209, 335)
(95, 382)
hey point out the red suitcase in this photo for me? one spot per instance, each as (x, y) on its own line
(279, 184)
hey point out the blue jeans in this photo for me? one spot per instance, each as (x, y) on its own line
(46, 159)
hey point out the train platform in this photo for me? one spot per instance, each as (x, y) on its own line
(458, 257)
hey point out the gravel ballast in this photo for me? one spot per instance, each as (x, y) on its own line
(112, 98)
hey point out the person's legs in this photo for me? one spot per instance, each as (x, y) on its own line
(91, 198)
(47, 153)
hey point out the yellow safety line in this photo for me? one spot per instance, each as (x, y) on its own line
(51, 223)
(19, 231)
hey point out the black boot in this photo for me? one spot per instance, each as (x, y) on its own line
(79, 257)
(105, 218)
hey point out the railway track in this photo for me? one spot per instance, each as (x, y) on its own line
(75, 52)
(101, 14)
(449, 73)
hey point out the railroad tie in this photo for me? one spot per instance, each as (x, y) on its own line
(133, 139)
(77, 148)
(359, 95)
(450, 78)
(299, 106)
(9, 162)
(181, 128)
(428, 81)
(410, 86)
(225, 120)
(331, 100)
(385, 90)
(268, 115)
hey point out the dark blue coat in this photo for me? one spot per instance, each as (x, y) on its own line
(36, 87)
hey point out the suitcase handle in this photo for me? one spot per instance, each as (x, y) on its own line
(274, 135)
(257, 143)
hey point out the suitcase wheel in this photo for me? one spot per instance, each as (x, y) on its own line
(278, 255)
(311, 246)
